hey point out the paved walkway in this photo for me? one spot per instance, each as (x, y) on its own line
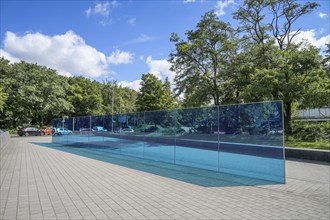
(42, 183)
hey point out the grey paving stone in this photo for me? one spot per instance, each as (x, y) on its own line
(39, 182)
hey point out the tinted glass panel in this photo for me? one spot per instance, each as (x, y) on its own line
(235, 140)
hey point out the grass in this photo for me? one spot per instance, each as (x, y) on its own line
(323, 145)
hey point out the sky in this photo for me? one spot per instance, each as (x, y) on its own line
(118, 40)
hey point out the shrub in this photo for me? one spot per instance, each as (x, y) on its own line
(311, 131)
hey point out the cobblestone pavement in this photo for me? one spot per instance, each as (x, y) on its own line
(43, 183)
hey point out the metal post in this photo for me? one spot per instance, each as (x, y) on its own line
(113, 95)
(144, 134)
(73, 119)
(218, 139)
(283, 143)
(90, 127)
(120, 103)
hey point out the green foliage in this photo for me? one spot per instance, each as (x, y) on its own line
(263, 64)
(117, 98)
(204, 61)
(265, 19)
(311, 131)
(127, 99)
(3, 98)
(85, 95)
(327, 55)
(31, 94)
(154, 95)
(287, 70)
(323, 145)
(35, 94)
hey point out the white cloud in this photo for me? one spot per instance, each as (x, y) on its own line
(160, 68)
(67, 53)
(89, 11)
(311, 38)
(322, 15)
(221, 5)
(189, 1)
(8, 56)
(320, 43)
(142, 38)
(135, 85)
(132, 21)
(102, 9)
(120, 57)
(114, 3)
(106, 21)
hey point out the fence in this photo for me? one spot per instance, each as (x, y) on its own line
(245, 140)
(316, 114)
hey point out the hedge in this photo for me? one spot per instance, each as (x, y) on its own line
(311, 131)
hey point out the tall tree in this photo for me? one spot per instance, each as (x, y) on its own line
(35, 94)
(128, 98)
(260, 25)
(154, 95)
(265, 29)
(108, 95)
(151, 93)
(204, 60)
(168, 99)
(85, 96)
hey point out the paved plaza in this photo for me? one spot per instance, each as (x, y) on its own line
(38, 182)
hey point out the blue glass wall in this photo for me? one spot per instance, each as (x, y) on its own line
(244, 140)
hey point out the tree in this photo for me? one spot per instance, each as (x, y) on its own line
(151, 93)
(31, 94)
(326, 60)
(154, 95)
(35, 94)
(295, 76)
(168, 99)
(204, 61)
(85, 95)
(318, 94)
(128, 98)
(4, 69)
(3, 98)
(279, 22)
(108, 94)
(285, 72)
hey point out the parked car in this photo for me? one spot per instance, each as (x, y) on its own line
(86, 131)
(30, 131)
(99, 128)
(128, 130)
(60, 131)
(47, 131)
(276, 131)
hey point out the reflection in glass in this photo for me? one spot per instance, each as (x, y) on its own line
(244, 140)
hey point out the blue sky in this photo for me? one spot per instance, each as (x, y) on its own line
(117, 40)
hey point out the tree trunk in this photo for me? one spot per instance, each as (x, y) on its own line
(287, 118)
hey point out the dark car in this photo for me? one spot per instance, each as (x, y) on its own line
(30, 131)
